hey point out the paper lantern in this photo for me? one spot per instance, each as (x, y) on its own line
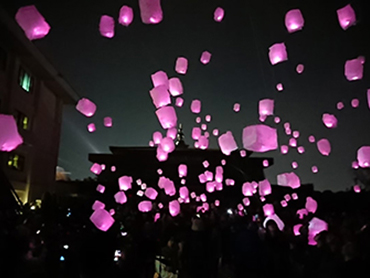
(205, 206)
(279, 87)
(167, 117)
(102, 219)
(139, 182)
(246, 201)
(86, 107)
(284, 149)
(288, 131)
(160, 78)
(236, 107)
(126, 15)
(295, 196)
(243, 153)
(311, 205)
(169, 187)
(202, 178)
(355, 103)
(157, 216)
(205, 58)
(287, 125)
(296, 229)
(157, 137)
(179, 102)
(264, 187)
(96, 169)
(160, 205)
(196, 133)
(240, 208)
(217, 203)
(204, 127)
(363, 156)
(299, 68)
(181, 65)
(100, 188)
(302, 212)
(277, 120)
(300, 149)
(203, 197)
(151, 193)
(219, 174)
(98, 205)
(91, 128)
(184, 192)
(32, 22)
(266, 107)
(262, 199)
(294, 165)
(102, 166)
(227, 143)
(108, 122)
(296, 134)
(174, 208)
(150, 11)
(265, 163)
(283, 203)
(112, 212)
(172, 133)
(229, 182)
(198, 120)
(208, 118)
(324, 147)
(183, 181)
(340, 105)
(260, 138)
(294, 20)
(293, 142)
(209, 175)
(215, 132)
(160, 96)
(161, 154)
(205, 164)
(218, 15)
(167, 145)
(277, 220)
(346, 17)
(355, 165)
(353, 69)
(145, 206)
(210, 187)
(357, 188)
(330, 121)
(278, 53)
(203, 142)
(247, 189)
(183, 170)
(287, 197)
(315, 227)
(9, 136)
(175, 87)
(120, 197)
(125, 183)
(195, 106)
(311, 139)
(289, 179)
(106, 26)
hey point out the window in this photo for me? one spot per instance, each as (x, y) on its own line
(16, 161)
(25, 80)
(23, 122)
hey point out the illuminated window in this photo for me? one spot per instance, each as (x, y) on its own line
(25, 80)
(23, 122)
(16, 161)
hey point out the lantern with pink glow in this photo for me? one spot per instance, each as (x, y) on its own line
(218, 15)
(288, 131)
(167, 117)
(353, 69)
(227, 143)
(246, 201)
(264, 187)
(86, 107)
(175, 87)
(340, 105)
(266, 108)
(203, 142)
(203, 197)
(287, 197)
(157, 216)
(247, 189)
(300, 149)
(357, 188)
(145, 206)
(230, 182)
(329, 120)
(172, 133)
(96, 169)
(277, 120)
(215, 132)
(295, 196)
(106, 26)
(289, 179)
(284, 149)
(355, 103)
(126, 15)
(363, 156)
(209, 175)
(160, 96)
(355, 165)
(100, 188)
(160, 78)
(236, 107)
(265, 163)
(294, 20)
(210, 187)
(311, 139)
(9, 136)
(205, 58)
(151, 193)
(120, 197)
(205, 164)
(293, 142)
(150, 11)
(91, 128)
(174, 208)
(299, 68)
(181, 65)
(195, 106)
(296, 134)
(324, 147)
(169, 187)
(102, 219)
(243, 153)
(157, 137)
(315, 227)
(280, 87)
(167, 145)
(296, 229)
(125, 183)
(346, 17)
(196, 133)
(179, 102)
(219, 174)
(183, 170)
(311, 205)
(112, 212)
(294, 165)
(98, 205)
(184, 192)
(277, 220)
(283, 203)
(302, 212)
(204, 127)
(260, 138)
(278, 53)
(108, 122)
(32, 22)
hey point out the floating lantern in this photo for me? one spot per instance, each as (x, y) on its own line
(294, 165)
(311, 139)
(229, 182)
(126, 15)
(340, 105)
(215, 132)
(210, 187)
(198, 120)
(167, 117)
(355, 103)
(277, 120)
(175, 87)
(181, 65)
(179, 102)
(219, 186)
(217, 203)
(183, 170)
(205, 164)
(209, 175)
(160, 205)
(157, 137)
(294, 20)
(32, 22)
(227, 143)
(353, 69)
(218, 15)
(279, 87)
(277, 220)
(100, 188)
(113, 168)
(145, 206)
(184, 192)
(315, 227)
(296, 229)
(289, 179)
(98, 205)
(120, 197)
(157, 216)
(299, 68)
(346, 17)
(266, 108)
(151, 193)
(300, 149)
(287, 197)
(91, 128)
(219, 174)
(293, 142)
(260, 138)
(243, 153)
(264, 187)
(205, 58)
(240, 207)
(208, 118)
(96, 169)
(324, 147)
(86, 107)
(247, 189)
(169, 187)
(236, 107)
(202, 178)
(246, 201)
(108, 122)
(284, 149)
(330, 121)
(302, 212)
(296, 134)
(160, 78)
(203, 142)
(125, 183)
(363, 156)
(183, 181)
(106, 26)
(167, 145)
(160, 96)
(196, 133)
(368, 98)
(355, 165)
(311, 205)
(174, 208)
(195, 106)
(112, 212)
(278, 53)
(283, 203)
(295, 196)
(357, 188)
(288, 131)
(9, 136)
(102, 219)
(150, 11)
(172, 133)
(204, 127)
(205, 206)
(265, 163)
(203, 197)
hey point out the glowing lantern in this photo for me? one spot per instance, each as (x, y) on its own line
(287, 197)
(217, 203)
(112, 212)
(205, 58)
(98, 205)
(210, 187)
(96, 169)
(9, 136)
(151, 193)
(159, 171)
(205, 206)
(157, 137)
(311, 139)
(330, 121)
(229, 182)
(169, 187)
(172, 133)
(175, 87)
(215, 132)
(198, 120)
(296, 229)
(102, 219)
(324, 147)
(294, 165)
(106, 26)
(203, 142)
(340, 105)
(86, 107)
(219, 174)
(179, 101)
(293, 142)
(315, 227)
(294, 20)
(108, 122)
(236, 107)
(205, 164)
(204, 127)
(353, 69)
(196, 106)
(183, 170)
(227, 143)
(311, 205)
(277, 220)
(126, 15)
(184, 192)
(174, 208)
(157, 216)
(160, 205)
(100, 188)
(355, 165)
(363, 156)
(243, 153)
(206, 134)
(203, 197)
(160, 96)
(296, 134)
(300, 68)
(167, 117)
(218, 186)
(357, 188)
(264, 187)
(302, 212)
(294, 196)
(287, 125)
(145, 206)
(120, 197)
(247, 189)
(240, 207)
(283, 203)
(167, 145)
(150, 11)
(209, 175)
(208, 118)
(355, 103)
(277, 120)
(277, 53)
(279, 87)
(246, 201)
(193, 195)
(218, 14)
(196, 133)
(300, 149)
(202, 178)
(284, 149)
(160, 78)
(91, 127)
(32, 22)
(103, 167)
(183, 181)
(125, 182)
(181, 65)
(266, 107)
(289, 179)
(346, 17)
(260, 138)
(288, 131)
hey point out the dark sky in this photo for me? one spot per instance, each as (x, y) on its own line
(115, 74)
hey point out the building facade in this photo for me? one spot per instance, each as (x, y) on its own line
(34, 92)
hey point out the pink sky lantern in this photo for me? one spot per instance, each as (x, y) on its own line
(277, 120)
(157, 216)
(294, 165)
(205, 164)
(299, 68)
(227, 143)
(203, 142)
(260, 138)
(329, 120)
(183, 170)
(204, 127)
(294, 20)
(91, 128)
(172, 133)
(9, 136)
(315, 227)
(210, 187)
(289, 179)
(287, 125)
(246, 201)
(139, 182)
(202, 178)
(179, 102)
(296, 134)
(196, 106)
(300, 149)
(302, 212)
(323, 145)
(219, 186)
(86, 107)
(160, 96)
(96, 169)
(264, 187)
(218, 15)
(265, 163)
(368, 98)
(157, 137)
(296, 229)
(266, 107)
(120, 197)
(98, 205)
(102, 219)
(205, 206)
(125, 183)
(355, 165)
(174, 208)
(160, 205)
(175, 87)
(278, 53)
(262, 199)
(100, 188)
(311, 205)
(208, 118)
(280, 87)
(32, 22)
(229, 182)
(288, 131)
(206, 134)
(215, 132)
(283, 203)
(355, 103)
(196, 133)
(219, 174)
(363, 156)
(277, 220)
(161, 182)
(236, 107)
(106, 26)
(217, 203)
(183, 181)
(108, 122)
(243, 153)
(126, 15)
(181, 65)
(193, 195)
(353, 69)
(295, 196)
(151, 193)
(284, 149)
(287, 197)
(346, 17)
(196, 145)
(112, 212)
(102, 166)
(357, 188)
(167, 145)
(198, 120)
(169, 187)
(140, 193)
(159, 171)
(311, 139)
(340, 105)
(160, 78)
(184, 192)
(113, 168)
(268, 210)
(205, 58)
(240, 207)
(203, 197)
(209, 175)
(293, 142)
(145, 206)
(167, 117)
(150, 11)
(247, 189)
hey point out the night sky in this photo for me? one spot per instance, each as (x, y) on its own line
(115, 74)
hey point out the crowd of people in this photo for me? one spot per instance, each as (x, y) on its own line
(58, 241)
